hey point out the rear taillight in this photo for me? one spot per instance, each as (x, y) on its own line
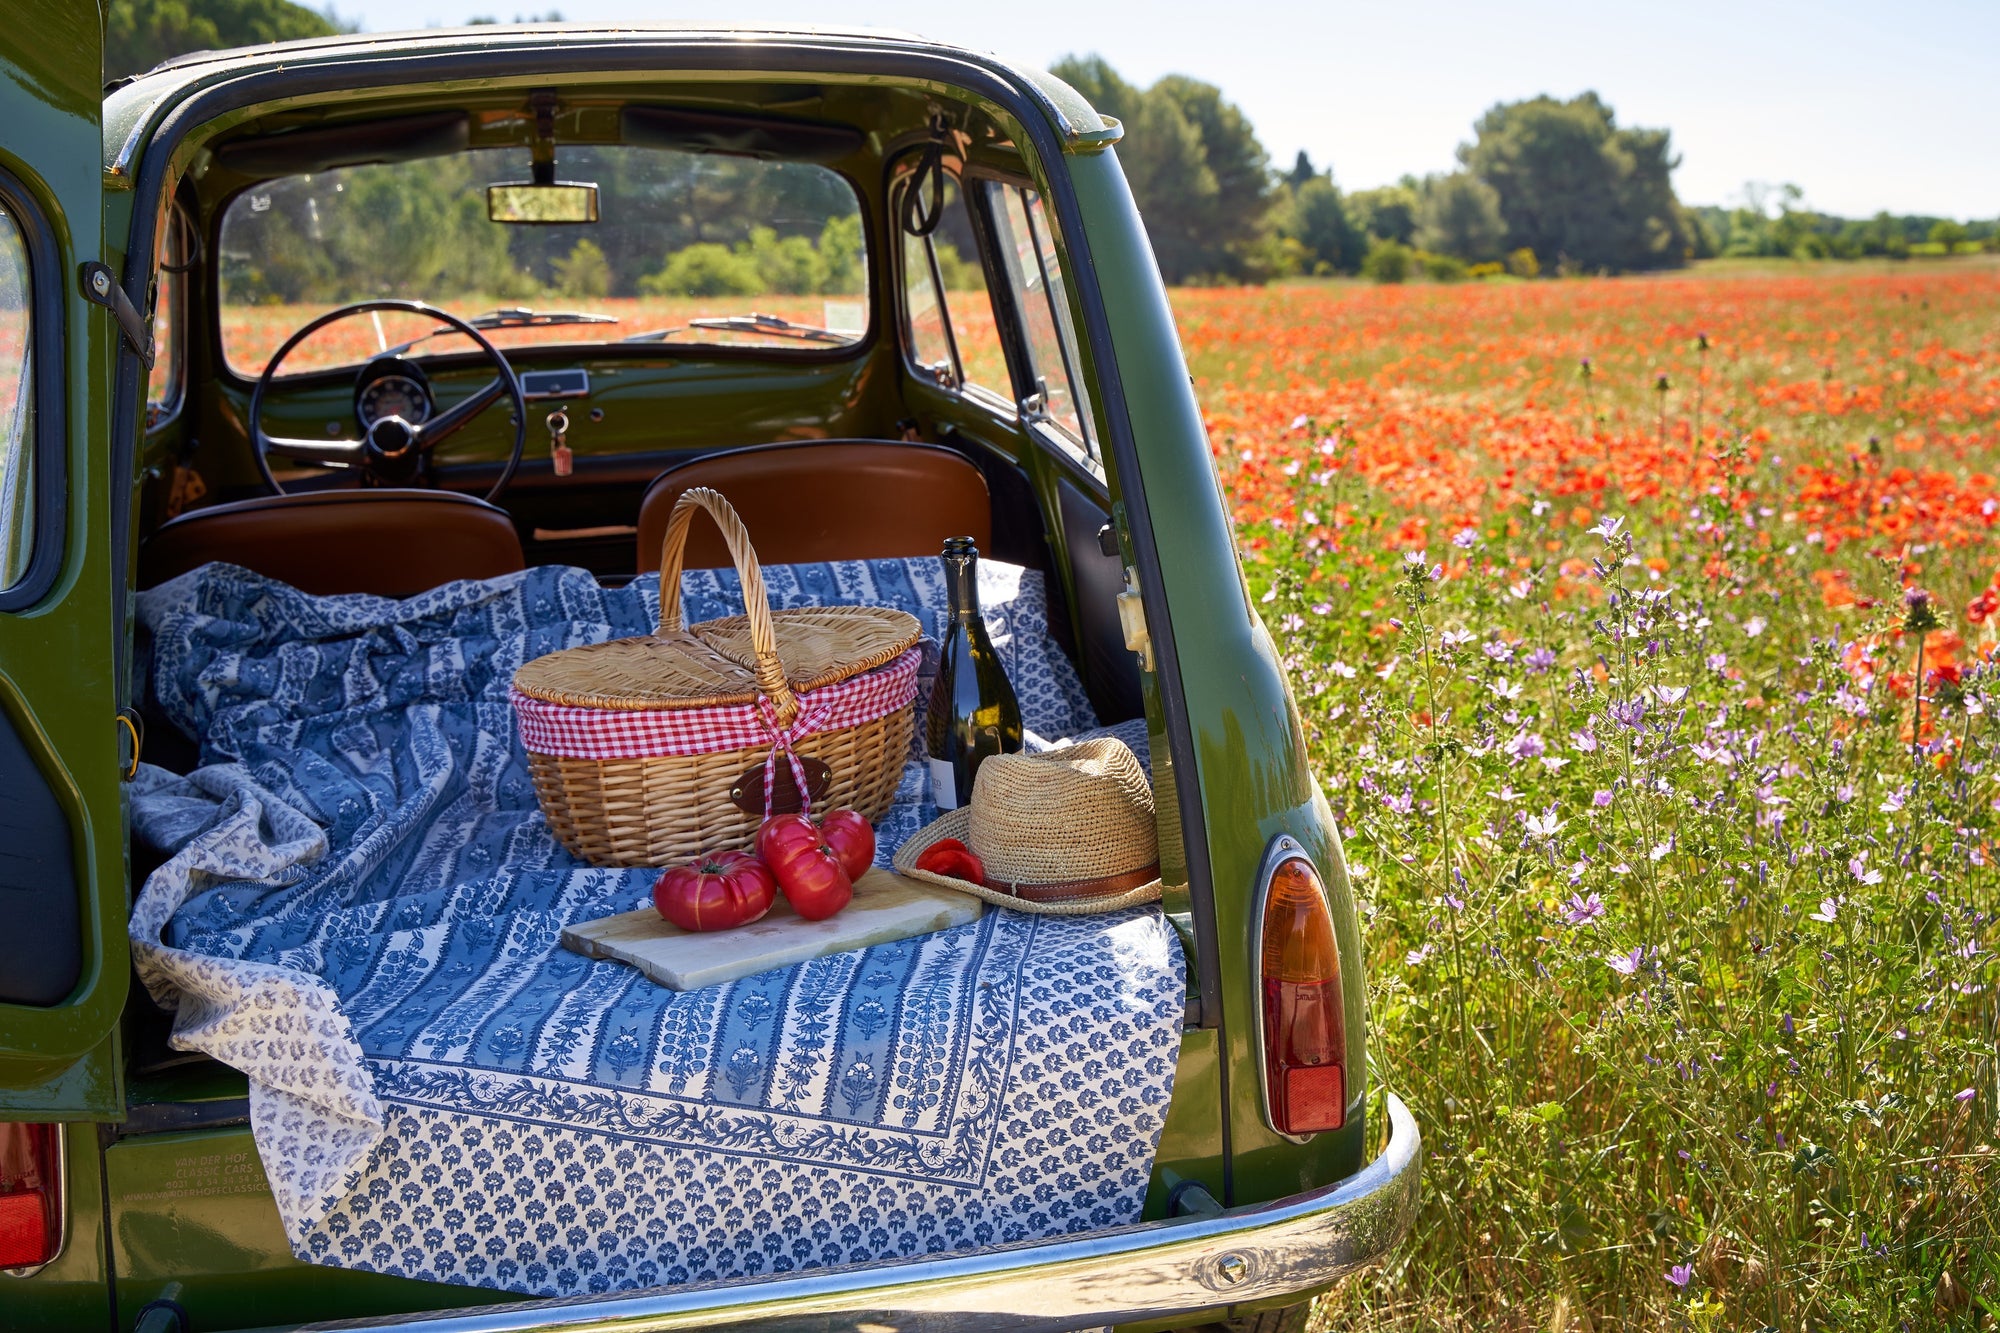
(31, 1213)
(1303, 1019)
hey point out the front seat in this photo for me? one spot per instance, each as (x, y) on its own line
(390, 542)
(825, 500)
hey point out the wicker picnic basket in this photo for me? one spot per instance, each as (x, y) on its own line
(658, 749)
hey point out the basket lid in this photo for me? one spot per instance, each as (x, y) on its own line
(734, 660)
(715, 663)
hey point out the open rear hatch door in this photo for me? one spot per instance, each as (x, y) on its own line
(64, 965)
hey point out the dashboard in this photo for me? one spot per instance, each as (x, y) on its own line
(393, 387)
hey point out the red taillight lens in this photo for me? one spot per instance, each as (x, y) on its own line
(30, 1194)
(1305, 1020)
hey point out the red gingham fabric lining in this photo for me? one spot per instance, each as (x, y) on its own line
(620, 733)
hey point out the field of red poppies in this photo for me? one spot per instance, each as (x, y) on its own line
(1645, 633)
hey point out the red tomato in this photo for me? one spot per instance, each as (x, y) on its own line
(950, 857)
(717, 892)
(853, 838)
(808, 871)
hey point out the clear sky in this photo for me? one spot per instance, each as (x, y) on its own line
(1865, 104)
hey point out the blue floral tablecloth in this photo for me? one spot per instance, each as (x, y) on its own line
(362, 909)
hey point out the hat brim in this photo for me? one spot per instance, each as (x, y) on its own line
(956, 824)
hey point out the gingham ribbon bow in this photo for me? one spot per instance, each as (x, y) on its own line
(782, 738)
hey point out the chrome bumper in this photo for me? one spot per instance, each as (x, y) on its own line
(1155, 1269)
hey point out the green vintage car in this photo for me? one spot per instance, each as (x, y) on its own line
(875, 289)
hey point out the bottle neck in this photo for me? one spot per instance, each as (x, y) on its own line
(962, 579)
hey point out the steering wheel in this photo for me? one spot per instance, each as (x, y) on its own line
(393, 451)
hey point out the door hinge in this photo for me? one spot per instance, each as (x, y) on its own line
(1132, 616)
(101, 287)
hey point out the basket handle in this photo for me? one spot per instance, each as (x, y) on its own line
(770, 672)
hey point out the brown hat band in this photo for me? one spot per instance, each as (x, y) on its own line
(1074, 890)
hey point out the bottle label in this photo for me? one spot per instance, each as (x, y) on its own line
(944, 785)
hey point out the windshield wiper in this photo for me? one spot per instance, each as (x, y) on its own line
(508, 317)
(776, 326)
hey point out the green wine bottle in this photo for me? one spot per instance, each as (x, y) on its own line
(973, 711)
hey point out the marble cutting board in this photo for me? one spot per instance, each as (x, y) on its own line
(886, 907)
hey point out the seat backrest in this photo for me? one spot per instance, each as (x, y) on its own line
(825, 500)
(390, 542)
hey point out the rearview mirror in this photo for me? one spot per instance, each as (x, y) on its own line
(525, 202)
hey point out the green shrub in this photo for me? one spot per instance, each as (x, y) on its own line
(704, 269)
(1442, 268)
(791, 266)
(1388, 261)
(583, 272)
(960, 274)
(1523, 264)
(1483, 271)
(840, 250)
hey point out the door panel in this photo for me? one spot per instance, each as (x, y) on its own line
(41, 950)
(62, 880)
(1110, 671)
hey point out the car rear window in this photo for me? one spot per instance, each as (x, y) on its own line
(689, 248)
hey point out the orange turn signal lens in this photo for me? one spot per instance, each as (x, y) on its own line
(1304, 1012)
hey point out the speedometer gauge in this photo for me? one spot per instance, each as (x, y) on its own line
(394, 396)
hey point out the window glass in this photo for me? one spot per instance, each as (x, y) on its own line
(689, 248)
(968, 300)
(163, 385)
(17, 408)
(1042, 223)
(930, 348)
(1037, 294)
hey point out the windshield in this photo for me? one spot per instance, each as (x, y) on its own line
(690, 248)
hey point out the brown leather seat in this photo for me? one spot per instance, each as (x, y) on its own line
(825, 500)
(393, 543)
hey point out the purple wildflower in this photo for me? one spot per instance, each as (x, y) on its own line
(1581, 911)
(1626, 964)
(1680, 1274)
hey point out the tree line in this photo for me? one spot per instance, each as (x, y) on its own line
(1544, 185)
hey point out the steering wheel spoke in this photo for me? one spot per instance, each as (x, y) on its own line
(327, 453)
(391, 451)
(449, 422)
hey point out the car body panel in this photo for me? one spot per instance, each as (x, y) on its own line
(1255, 778)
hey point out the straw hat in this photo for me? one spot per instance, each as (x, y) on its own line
(1064, 833)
